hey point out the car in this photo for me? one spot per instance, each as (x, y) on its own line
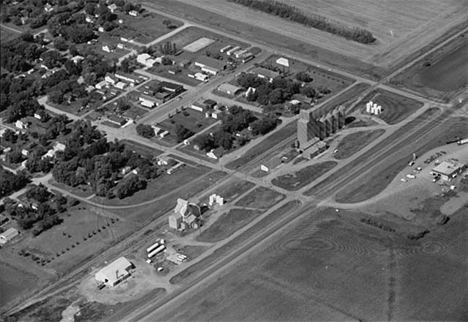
(336, 150)
(411, 176)
(403, 179)
(418, 169)
(411, 163)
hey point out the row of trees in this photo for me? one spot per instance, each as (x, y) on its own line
(10, 182)
(288, 12)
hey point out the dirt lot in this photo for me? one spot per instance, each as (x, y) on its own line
(354, 142)
(441, 74)
(332, 268)
(260, 198)
(303, 177)
(395, 108)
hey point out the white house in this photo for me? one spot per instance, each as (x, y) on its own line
(133, 13)
(102, 84)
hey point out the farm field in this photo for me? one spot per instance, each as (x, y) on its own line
(227, 224)
(417, 24)
(354, 142)
(395, 108)
(384, 174)
(14, 282)
(303, 177)
(272, 140)
(260, 198)
(441, 74)
(330, 267)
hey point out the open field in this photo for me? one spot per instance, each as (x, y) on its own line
(254, 152)
(354, 142)
(346, 99)
(303, 177)
(231, 190)
(441, 75)
(384, 174)
(13, 282)
(260, 198)
(395, 108)
(164, 184)
(227, 224)
(413, 25)
(329, 267)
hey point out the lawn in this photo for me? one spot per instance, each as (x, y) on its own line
(303, 177)
(268, 143)
(193, 120)
(395, 108)
(227, 224)
(260, 198)
(354, 142)
(83, 232)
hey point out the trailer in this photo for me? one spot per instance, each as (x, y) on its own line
(152, 247)
(225, 48)
(464, 141)
(231, 51)
(156, 251)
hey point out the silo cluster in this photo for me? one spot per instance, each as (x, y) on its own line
(319, 124)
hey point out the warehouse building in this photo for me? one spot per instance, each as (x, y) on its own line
(8, 235)
(115, 272)
(210, 65)
(448, 170)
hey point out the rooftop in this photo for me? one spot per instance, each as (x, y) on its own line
(447, 168)
(210, 62)
(115, 270)
(265, 72)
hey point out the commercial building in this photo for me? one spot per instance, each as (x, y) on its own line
(171, 87)
(8, 235)
(115, 272)
(229, 89)
(448, 170)
(210, 65)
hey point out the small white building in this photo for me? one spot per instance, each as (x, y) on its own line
(21, 125)
(115, 272)
(133, 13)
(102, 84)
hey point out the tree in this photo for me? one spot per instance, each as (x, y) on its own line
(204, 141)
(167, 23)
(166, 61)
(308, 91)
(303, 77)
(129, 186)
(247, 80)
(39, 193)
(60, 44)
(145, 130)
(182, 132)
(223, 139)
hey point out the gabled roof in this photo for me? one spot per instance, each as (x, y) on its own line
(265, 72)
(210, 62)
(9, 234)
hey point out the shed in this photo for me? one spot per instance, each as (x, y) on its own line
(115, 272)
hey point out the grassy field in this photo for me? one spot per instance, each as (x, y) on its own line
(254, 152)
(227, 224)
(440, 75)
(260, 198)
(14, 282)
(346, 99)
(142, 149)
(354, 142)
(329, 267)
(231, 189)
(303, 177)
(396, 108)
(376, 182)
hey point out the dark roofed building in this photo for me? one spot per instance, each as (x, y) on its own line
(210, 65)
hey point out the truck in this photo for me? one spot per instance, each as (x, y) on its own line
(464, 141)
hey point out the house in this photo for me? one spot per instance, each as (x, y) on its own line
(59, 146)
(163, 134)
(3, 219)
(120, 85)
(161, 161)
(21, 125)
(264, 73)
(184, 63)
(111, 79)
(130, 78)
(142, 58)
(48, 8)
(126, 170)
(210, 65)
(229, 89)
(8, 235)
(37, 116)
(148, 101)
(216, 153)
(25, 152)
(173, 71)
(102, 84)
(271, 164)
(116, 119)
(215, 114)
(201, 77)
(133, 13)
(120, 46)
(197, 106)
(108, 48)
(101, 29)
(89, 19)
(113, 7)
(76, 59)
(115, 272)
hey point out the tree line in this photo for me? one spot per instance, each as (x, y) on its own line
(288, 12)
